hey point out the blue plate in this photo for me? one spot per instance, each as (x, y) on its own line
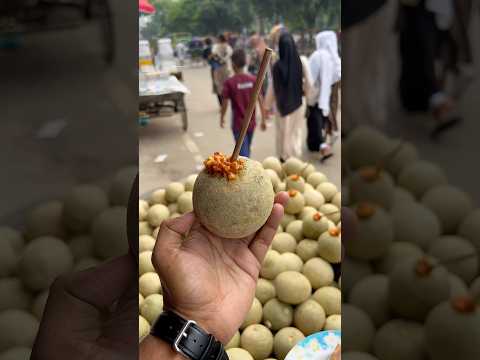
(318, 346)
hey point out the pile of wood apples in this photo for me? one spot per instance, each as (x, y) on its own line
(298, 291)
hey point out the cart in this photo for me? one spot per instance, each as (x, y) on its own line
(22, 17)
(161, 96)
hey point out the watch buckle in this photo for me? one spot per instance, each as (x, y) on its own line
(182, 334)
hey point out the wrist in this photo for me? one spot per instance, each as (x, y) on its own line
(210, 323)
(152, 348)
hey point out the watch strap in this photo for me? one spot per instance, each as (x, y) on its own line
(187, 338)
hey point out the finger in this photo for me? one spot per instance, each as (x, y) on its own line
(104, 284)
(172, 232)
(264, 237)
(281, 198)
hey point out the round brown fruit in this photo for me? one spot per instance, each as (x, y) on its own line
(237, 207)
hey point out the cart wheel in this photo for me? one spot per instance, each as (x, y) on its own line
(184, 121)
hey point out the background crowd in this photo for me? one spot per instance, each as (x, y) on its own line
(292, 80)
(407, 58)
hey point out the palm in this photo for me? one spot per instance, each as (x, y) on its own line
(93, 314)
(215, 275)
(118, 327)
(106, 339)
(208, 278)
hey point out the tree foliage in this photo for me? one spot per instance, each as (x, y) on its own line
(202, 17)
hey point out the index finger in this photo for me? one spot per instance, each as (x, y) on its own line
(261, 242)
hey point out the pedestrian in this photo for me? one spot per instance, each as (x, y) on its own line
(255, 53)
(274, 35)
(257, 46)
(368, 55)
(322, 103)
(284, 98)
(207, 57)
(181, 51)
(425, 38)
(238, 89)
(221, 53)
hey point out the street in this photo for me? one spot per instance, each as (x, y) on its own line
(185, 151)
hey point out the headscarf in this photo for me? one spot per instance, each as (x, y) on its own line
(325, 67)
(288, 76)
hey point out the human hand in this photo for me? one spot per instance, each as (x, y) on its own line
(222, 123)
(337, 353)
(263, 125)
(92, 314)
(210, 279)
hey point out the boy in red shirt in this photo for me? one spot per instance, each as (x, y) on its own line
(238, 89)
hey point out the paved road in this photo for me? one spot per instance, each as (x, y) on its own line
(186, 150)
(57, 83)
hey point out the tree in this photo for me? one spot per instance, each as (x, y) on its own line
(202, 17)
(214, 16)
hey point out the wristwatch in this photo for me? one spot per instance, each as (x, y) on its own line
(187, 338)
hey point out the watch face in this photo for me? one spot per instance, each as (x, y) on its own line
(319, 346)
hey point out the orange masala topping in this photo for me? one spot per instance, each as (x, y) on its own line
(334, 231)
(365, 210)
(369, 173)
(292, 193)
(221, 165)
(317, 216)
(464, 304)
(295, 177)
(423, 267)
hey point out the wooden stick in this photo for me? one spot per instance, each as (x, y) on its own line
(253, 101)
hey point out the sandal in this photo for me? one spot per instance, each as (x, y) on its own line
(326, 157)
(444, 125)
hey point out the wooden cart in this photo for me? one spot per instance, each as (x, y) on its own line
(159, 105)
(23, 17)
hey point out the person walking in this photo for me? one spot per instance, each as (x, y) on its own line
(322, 103)
(284, 97)
(425, 36)
(221, 53)
(207, 57)
(257, 46)
(238, 90)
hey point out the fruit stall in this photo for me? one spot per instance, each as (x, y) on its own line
(412, 273)
(410, 279)
(23, 17)
(298, 293)
(161, 93)
(79, 230)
